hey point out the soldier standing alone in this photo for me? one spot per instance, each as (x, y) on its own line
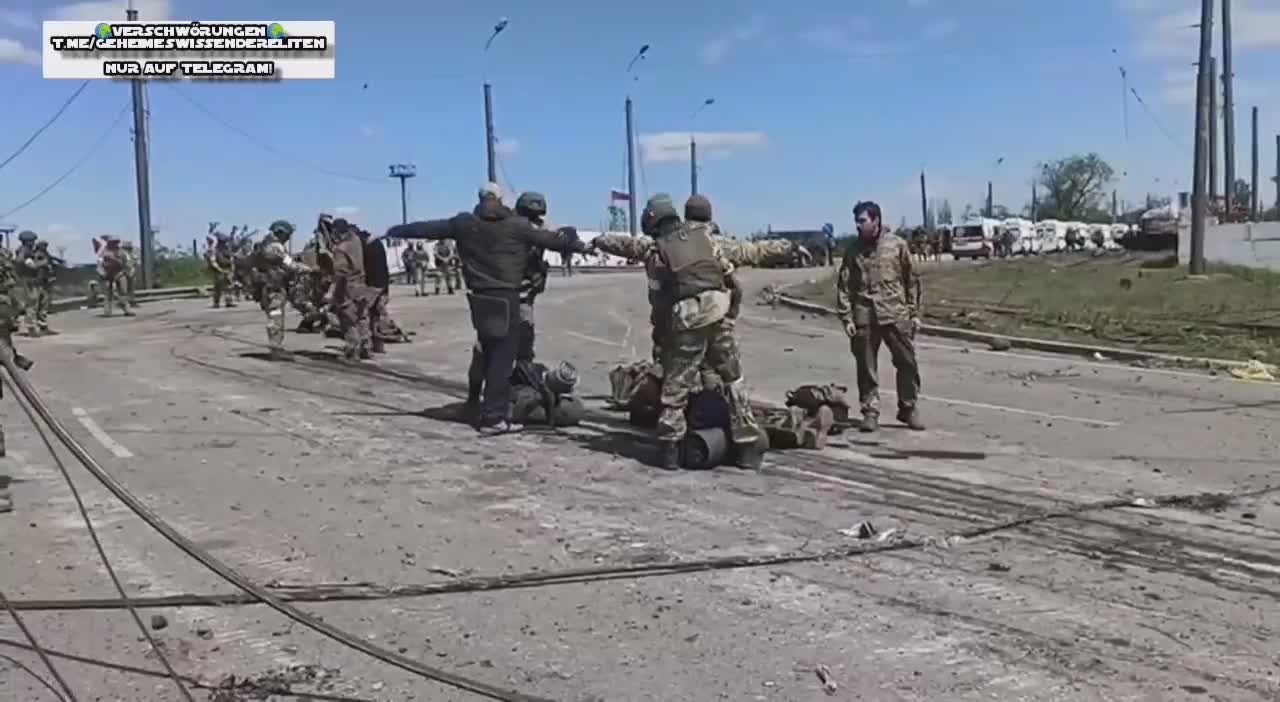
(111, 267)
(448, 265)
(878, 298)
(421, 262)
(42, 279)
(221, 264)
(276, 266)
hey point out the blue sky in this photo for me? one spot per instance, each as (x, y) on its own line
(819, 103)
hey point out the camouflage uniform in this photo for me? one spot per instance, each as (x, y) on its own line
(349, 294)
(275, 266)
(24, 277)
(448, 265)
(221, 267)
(422, 261)
(40, 289)
(111, 268)
(878, 297)
(9, 311)
(130, 271)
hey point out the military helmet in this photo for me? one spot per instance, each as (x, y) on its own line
(657, 209)
(697, 209)
(490, 190)
(281, 227)
(27, 236)
(42, 244)
(531, 204)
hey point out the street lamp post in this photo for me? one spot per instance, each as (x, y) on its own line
(693, 146)
(490, 139)
(403, 172)
(631, 146)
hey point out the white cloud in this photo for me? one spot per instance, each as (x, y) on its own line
(667, 147)
(507, 147)
(368, 131)
(346, 211)
(1174, 34)
(940, 28)
(13, 51)
(1180, 89)
(156, 10)
(717, 49)
(852, 37)
(18, 18)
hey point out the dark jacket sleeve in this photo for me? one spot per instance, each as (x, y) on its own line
(560, 240)
(434, 229)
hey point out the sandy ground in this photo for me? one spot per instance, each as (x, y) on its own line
(305, 473)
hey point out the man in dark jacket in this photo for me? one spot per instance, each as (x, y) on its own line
(378, 278)
(495, 247)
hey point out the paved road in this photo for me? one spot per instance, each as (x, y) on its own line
(301, 473)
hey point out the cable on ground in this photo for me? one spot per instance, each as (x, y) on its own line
(39, 650)
(234, 577)
(38, 677)
(97, 545)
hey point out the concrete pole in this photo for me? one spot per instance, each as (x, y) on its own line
(693, 165)
(1204, 83)
(1213, 132)
(990, 200)
(1228, 106)
(631, 170)
(924, 202)
(404, 200)
(142, 173)
(489, 138)
(1256, 182)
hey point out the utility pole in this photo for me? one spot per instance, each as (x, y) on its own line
(1277, 178)
(142, 171)
(1115, 206)
(631, 170)
(1228, 106)
(693, 166)
(1204, 84)
(403, 172)
(1035, 201)
(1213, 132)
(490, 140)
(1254, 210)
(990, 201)
(924, 202)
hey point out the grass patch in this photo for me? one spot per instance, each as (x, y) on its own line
(1134, 301)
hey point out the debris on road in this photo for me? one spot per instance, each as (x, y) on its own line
(861, 530)
(1254, 370)
(158, 622)
(828, 683)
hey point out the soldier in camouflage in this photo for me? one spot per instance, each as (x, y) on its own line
(448, 265)
(221, 264)
(275, 268)
(349, 295)
(24, 277)
(42, 274)
(112, 265)
(422, 262)
(130, 271)
(878, 300)
(9, 312)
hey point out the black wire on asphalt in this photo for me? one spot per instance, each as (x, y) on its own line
(232, 576)
(24, 403)
(38, 649)
(36, 135)
(39, 678)
(244, 685)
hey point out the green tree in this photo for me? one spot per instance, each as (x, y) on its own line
(1076, 187)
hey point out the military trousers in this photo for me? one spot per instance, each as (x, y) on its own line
(37, 307)
(273, 301)
(865, 346)
(116, 294)
(423, 279)
(221, 288)
(352, 305)
(377, 313)
(452, 275)
(684, 354)
(495, 317)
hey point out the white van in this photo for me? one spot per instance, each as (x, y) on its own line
(974, 238)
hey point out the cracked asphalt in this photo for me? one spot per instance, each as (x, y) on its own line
(306, 473)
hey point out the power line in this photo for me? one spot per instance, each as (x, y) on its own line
(1156, 120)
(256, 141)
(74, 167)
(36, 135)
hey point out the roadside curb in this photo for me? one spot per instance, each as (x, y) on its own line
(1022, 342)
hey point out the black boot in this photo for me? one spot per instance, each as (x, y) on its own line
(669, 455)
(378, 346)
(870, 424)
(749, 456)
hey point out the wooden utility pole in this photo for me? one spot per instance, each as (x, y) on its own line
(1199, 192)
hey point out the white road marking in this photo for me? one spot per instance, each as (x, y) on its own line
(595, 340)
(103, 437)
(1013, 410)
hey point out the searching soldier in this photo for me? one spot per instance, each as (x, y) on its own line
(494, 247)
(275, 267)
(349, 294)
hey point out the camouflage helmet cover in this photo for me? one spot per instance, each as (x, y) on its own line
(531, 204)
(697, 209)
(27, 236)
